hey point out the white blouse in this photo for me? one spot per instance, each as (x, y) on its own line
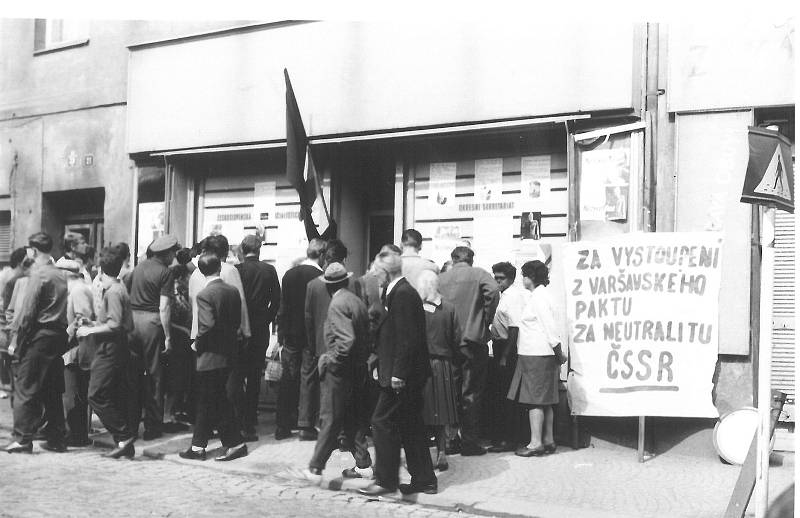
(538, 333)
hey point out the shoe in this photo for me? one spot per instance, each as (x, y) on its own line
(529, 452)
(308, 435)
(453, 447)
(356, 472)
(249, 437)
(471, 450)
(126, 450)
(376, 490)
(501, 447)
(175, 427)
(16, 447)
(149, 435)
(233, 453)
(181, 417)
(79, 442)
(58, 447)
(313, 475)
(428, 489)
(191, 454)
(441, 462)
(282, 433)
(549, 448)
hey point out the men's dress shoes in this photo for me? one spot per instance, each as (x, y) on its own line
(79, 442)
(190, 454)
(501, 447)
(530, 452)
(57, 447)
(249, 437)
(549, 448)
(126, 450)
(376, 490)
(453, 447)
(233, 453)
(410, 489)
(282, 433)
(308, 435)
(149, 435)
(471, 450)
(16, 447)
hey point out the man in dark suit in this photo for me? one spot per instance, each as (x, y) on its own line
(343, 377)
(263, 295)
(219, 313)
(316, 310)
(292, 335)
(402, 370)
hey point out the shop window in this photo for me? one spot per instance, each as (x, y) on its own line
(608, 184)
(54, 34)
(5, 236)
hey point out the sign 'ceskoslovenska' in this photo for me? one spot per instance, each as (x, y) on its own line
(643, 316)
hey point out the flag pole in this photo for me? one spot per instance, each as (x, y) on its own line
(316, 176)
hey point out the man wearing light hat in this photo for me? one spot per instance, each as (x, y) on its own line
(151, 290)
(343, 376)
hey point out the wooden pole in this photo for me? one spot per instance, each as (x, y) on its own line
(765, 361)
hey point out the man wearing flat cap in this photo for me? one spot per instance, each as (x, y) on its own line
(343, 376)
(151, 290)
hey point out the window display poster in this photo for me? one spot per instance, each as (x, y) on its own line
(534, 180)
(530, 226)
(442, 187)
(264, 202)
(150, 225)
(492, 238)
(445, 239)
(605, 175)
(228, 221)
(488, 180)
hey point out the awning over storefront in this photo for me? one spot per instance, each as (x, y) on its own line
(355, 78)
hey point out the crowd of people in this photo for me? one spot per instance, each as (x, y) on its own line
(461, 359)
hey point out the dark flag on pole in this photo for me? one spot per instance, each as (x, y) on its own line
(770, 177)
(300, 170)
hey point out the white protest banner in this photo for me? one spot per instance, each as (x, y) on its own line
(643, 323)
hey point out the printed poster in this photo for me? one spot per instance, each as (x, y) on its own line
(442, 187)
(530, 226)
(605, 174)
(489, 180)
(445, 239)
(643, 324)
(264, 202)
(535, 181)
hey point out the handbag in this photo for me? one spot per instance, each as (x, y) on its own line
(274, 369)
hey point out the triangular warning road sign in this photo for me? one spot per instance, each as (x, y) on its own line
(775, 180)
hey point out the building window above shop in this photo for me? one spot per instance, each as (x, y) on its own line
(52, 34)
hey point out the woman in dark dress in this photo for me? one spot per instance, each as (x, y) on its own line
(443, 336)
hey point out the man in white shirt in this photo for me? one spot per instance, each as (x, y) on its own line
(413, 263)
(505, 418)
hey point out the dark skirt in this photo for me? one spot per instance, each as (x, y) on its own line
(441, 396)
(535, 381)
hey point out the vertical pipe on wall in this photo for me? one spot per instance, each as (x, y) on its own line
(399, 198)
(649, 179)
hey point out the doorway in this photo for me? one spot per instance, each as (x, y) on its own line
(78, 211)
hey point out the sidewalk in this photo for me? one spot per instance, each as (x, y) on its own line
(598, 482)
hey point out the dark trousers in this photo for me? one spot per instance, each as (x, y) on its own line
(38, 387)
(214, 409)
(289, 388)
(76, 403)
(179, 373)
(504, 413)
(472, 375)
(252, 371)
(397, 421)
(108, 389)
(342, 408)
(148, 343)
(308, 412)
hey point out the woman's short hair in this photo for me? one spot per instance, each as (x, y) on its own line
(536, 271)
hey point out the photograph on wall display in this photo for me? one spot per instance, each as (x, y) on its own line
(442, 190)
(616, 202)
(530, 226)
(488, 179)
(534, 177)
(605, 174)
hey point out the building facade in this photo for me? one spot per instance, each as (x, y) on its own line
(552, 132)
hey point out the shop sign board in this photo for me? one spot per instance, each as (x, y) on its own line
(643, 324)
